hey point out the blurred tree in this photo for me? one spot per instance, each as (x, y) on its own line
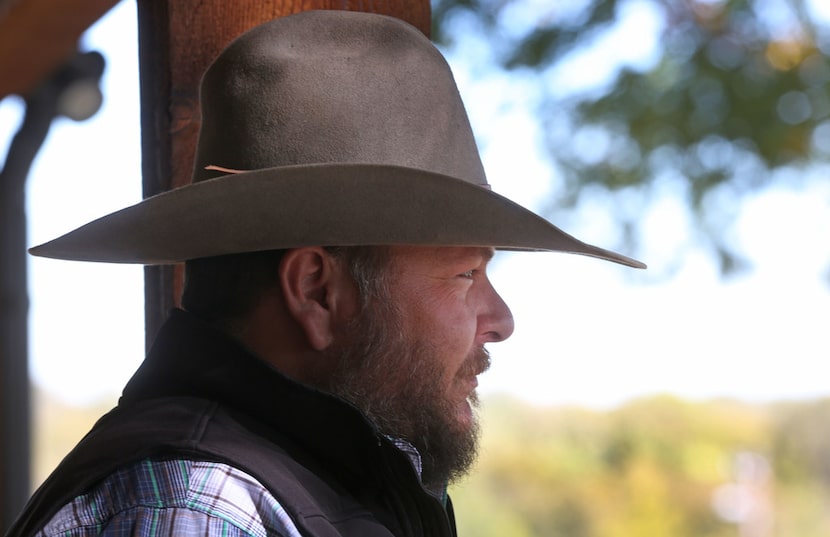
(653, 467)
(716, 98)
(800, 441)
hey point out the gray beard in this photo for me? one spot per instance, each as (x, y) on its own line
(394, 380)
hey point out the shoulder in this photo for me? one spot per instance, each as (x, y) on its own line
(174, 497)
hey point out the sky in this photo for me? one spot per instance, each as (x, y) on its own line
(588, 332)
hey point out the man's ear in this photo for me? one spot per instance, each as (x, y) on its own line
(318, 292)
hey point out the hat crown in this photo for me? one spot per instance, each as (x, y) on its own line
(334, 87)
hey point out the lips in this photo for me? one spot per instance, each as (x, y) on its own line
(467, 376)
(468, 388)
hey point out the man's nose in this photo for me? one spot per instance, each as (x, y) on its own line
(496, 320)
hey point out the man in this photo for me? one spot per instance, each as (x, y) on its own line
(320, 378)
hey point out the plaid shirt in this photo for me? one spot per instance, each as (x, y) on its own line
(174, 497)
(182, 498)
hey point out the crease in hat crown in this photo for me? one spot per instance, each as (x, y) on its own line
(341, 128)
(335, 87)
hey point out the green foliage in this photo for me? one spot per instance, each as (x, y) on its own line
(802, 447)
(730, 92)
(651, 468)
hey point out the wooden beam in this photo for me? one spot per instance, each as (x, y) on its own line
(177, 41)
(38, 36)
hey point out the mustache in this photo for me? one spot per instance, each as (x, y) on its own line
(476, 364)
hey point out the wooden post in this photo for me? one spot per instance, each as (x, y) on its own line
(177, 41)
(15, 418)
(37, 37)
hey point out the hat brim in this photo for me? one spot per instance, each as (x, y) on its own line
(314, 205)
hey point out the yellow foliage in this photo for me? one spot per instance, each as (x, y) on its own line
(650, 468)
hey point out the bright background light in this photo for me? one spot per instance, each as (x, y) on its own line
(587, 332)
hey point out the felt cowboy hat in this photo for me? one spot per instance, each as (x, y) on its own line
(326, 128)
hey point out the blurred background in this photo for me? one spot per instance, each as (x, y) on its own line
(690, 399)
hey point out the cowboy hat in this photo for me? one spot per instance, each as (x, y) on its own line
(326, 128)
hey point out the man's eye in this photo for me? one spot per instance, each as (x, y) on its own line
(468, 274)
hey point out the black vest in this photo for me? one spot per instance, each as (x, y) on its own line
(200, 396)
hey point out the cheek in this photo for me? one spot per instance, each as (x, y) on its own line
(448, 321)
(451, 335)
(441, 319)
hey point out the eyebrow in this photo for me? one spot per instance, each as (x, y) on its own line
(487, 253)
(466, 254)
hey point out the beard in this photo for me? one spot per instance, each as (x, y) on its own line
(395, 379)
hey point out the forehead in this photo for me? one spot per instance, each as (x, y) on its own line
(440, 255)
